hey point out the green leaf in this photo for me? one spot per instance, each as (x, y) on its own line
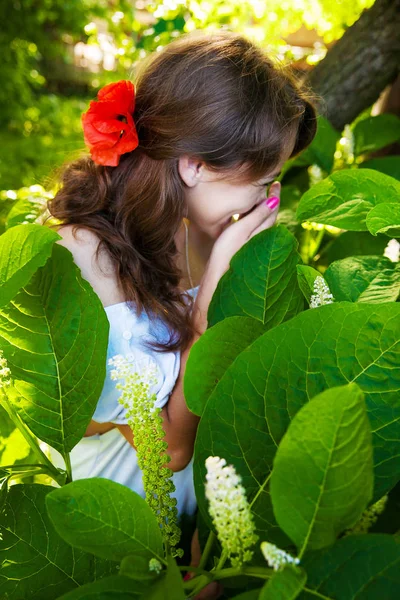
(346, 197)
(306, 277)
(105, 518)
(284, 585)
(25, 211)
(355, 568)
(261, 282)
(212, 354)
(3, 490)
(251, 407)
(322, 149)
(35, 562)
(116, 587)
(390, 165)
(168, 587)
(369, 279)
(54, 335)
(352, 243)
(249, 595)
(385, 218)
(23, 250)
(374, 133)
(322, 478)
(13, 446)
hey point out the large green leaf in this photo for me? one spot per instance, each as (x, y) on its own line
(261, 282)
(385, 218)
(345, 198)
(23, 249)
(352, 243)
(105, 518)
(54, 335)
(284, 585)
(364, 279)
(116, 587)
(374, 133)
(390, 165)
(251, 407)
(14, 448)
(213, 353)
(322, 478)
(365, 567)
(36, 563)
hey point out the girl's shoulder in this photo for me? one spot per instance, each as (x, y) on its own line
(99, 273)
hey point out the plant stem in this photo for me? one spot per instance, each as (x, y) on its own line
(30, 438)
(207, 550)
(30, 469)
(317, 244)
(260, 572)
(217, 575)
(222, 560)
(68, 467)
(196, 570)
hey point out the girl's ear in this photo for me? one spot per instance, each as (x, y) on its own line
(190, 170)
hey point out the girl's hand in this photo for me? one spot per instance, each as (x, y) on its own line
(263, 216)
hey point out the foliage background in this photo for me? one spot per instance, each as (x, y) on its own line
(56, 55)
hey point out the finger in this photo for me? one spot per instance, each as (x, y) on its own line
(268, 223)
(262, 211)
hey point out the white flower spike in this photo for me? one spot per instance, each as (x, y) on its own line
(322, 294)
(277, 558)
(230, 510)
(146, 424)
(5, 372)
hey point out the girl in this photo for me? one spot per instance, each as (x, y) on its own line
(149, 214)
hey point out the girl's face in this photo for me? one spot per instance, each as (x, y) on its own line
(212, 201)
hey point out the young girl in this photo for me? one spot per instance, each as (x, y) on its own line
(207, 127)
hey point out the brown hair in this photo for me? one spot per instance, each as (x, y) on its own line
(216, 97)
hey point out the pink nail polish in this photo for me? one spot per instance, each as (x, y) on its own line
(272, 202)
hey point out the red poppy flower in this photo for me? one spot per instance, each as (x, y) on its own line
(108, 126)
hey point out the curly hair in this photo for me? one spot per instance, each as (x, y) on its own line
(216, 97)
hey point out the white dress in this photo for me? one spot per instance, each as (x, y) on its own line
(109, 454)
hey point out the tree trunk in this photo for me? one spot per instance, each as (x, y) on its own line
(360, 65)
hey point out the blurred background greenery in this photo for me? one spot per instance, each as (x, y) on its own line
(56, 55)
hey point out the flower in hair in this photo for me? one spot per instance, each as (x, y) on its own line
(108, 126)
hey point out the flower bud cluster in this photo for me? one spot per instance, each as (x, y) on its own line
(230, 510)
(322, 294)
(369, 517)
(146, 424)
(277, 558)
(5, 372)
(155, 566)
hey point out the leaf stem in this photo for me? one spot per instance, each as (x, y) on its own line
(317, 243)
(217, 575)
(207, 550)
(222, 560)
(68, 467)
(30, 438)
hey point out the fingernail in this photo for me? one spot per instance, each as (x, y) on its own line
(187, 576)
(272, 202)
